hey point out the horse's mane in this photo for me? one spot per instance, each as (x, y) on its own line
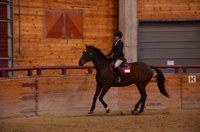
(97, 50)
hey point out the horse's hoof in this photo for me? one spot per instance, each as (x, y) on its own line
(140, 112)
(90, 112)
(107, 110)
(134, 112)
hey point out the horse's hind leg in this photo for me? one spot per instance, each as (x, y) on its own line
(143, 96)
(141, 100)
(136, 106)
(103, 93)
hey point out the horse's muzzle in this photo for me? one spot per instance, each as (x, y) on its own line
(81, 63)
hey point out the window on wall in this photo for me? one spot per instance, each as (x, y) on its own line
(6, 34)
(64, 24)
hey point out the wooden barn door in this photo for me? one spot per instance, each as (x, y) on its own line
(6, 33)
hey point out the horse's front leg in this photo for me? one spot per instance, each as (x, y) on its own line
(98, 90)
(103, 93)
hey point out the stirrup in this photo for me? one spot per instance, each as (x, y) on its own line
(118, 79)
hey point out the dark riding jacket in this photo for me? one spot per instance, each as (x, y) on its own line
(117, 50)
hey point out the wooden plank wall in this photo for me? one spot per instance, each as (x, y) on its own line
(190, 92)
(168, 9)
(67, 98)
(100, 21)
(11, 93)
(59, 95)
(155, 100)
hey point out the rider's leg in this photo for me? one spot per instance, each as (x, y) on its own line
(117, 64)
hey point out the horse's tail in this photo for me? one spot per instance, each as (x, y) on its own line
(160, 81)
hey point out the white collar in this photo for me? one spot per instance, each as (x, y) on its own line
(117, 41)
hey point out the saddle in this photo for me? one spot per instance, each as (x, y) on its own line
(124, 68)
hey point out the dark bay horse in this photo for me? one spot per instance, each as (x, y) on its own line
(140, 75)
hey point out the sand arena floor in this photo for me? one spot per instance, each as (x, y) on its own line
(116, 121)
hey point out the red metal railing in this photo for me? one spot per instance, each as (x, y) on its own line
(185, 67)
(64, 69)
(178, 67)
(175, 67)
(39, 69)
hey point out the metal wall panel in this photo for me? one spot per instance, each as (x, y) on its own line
(179, 41)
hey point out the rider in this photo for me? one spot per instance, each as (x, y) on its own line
(117, 54)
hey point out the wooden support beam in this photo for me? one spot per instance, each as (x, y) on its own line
(128, 25)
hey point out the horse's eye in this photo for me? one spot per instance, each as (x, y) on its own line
(85, 51)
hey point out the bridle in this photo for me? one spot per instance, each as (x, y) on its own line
(88, 53)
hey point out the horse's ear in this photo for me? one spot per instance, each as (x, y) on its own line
(86, 45)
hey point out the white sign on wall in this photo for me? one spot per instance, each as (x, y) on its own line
(170, 62)
(192, 79)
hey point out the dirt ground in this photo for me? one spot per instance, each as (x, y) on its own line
(117, 121)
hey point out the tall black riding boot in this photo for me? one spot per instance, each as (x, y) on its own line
(117, 76)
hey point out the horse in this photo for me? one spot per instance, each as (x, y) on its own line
(140, 75)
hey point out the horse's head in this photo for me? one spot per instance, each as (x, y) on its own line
(87, 55)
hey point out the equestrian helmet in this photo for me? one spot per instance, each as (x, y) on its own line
(118, 34)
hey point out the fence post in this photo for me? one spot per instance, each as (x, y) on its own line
(64, 71)
(39, 72)
(89, 70)
(30, 73)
